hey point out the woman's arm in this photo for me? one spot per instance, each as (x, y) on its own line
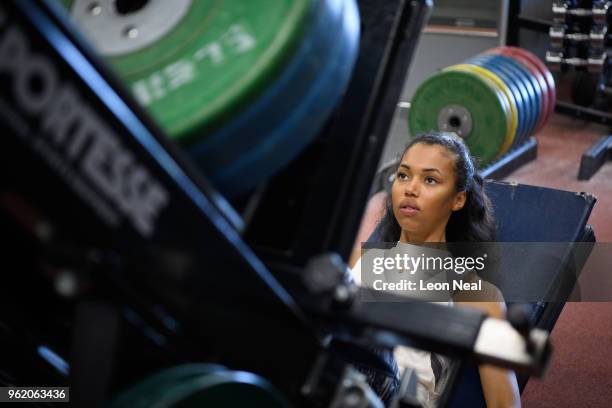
(499, 385)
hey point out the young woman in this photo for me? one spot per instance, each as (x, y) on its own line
(438, 196)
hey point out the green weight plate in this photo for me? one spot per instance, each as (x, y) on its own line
(144, 393)
(284, 119)
(503, 87)
(194, 63)
(222, 389)
(482, 110)
(197, 385)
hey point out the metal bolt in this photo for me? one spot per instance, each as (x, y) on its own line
(130, 32)
(43, 230)
(94, 9)
(66, 283)
(353, 397)
(342, 293)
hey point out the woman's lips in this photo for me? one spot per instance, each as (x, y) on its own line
(408, 211)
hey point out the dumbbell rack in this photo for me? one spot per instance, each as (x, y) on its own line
(571, 45)
(596, 155)
(90, 242)
(589, 53)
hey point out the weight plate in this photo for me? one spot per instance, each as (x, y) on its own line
(489, 113)
(289, 114)
(510, 136)
(541, 77)
(550, 84)
(532, 92)
(531, 83)
(211, 63)
(531, 97)
(285, 111)
(144, 393)
(222, 389)
(199, 385)
(539, 70)
(550, 80)
(536, 74)
(521, 95)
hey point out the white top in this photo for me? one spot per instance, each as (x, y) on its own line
(428, 389)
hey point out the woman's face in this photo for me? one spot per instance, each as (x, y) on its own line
(423, 193)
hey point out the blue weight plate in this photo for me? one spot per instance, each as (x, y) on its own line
(529, 80)
(276, 127)
(522, 96)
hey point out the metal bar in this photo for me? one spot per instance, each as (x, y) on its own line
(465, 31)
(581, 112)
(456, 332)
(512, 34)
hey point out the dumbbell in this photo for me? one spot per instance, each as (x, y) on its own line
(594, 64)
(600, 11)
(596, 38)
(563, 8)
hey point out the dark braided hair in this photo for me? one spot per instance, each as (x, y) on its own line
(475, 221)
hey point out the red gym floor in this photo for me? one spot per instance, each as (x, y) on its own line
(581, 371)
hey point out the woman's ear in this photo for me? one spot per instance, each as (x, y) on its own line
(459, 202)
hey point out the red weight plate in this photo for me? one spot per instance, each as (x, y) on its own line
(550, 81)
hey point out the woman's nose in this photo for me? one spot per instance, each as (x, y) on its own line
(411, 187)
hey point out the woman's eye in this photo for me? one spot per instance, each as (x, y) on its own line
(430, 180)
(402, 176)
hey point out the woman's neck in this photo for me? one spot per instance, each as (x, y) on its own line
(436, 236)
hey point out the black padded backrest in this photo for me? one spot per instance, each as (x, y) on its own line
(537, 214)
(526, 213)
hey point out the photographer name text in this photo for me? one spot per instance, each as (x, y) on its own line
(421, 285)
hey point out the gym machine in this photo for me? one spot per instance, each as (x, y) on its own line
(125, 260)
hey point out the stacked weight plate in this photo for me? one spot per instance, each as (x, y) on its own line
(243, 86)
(199, 385)
(495, 101)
